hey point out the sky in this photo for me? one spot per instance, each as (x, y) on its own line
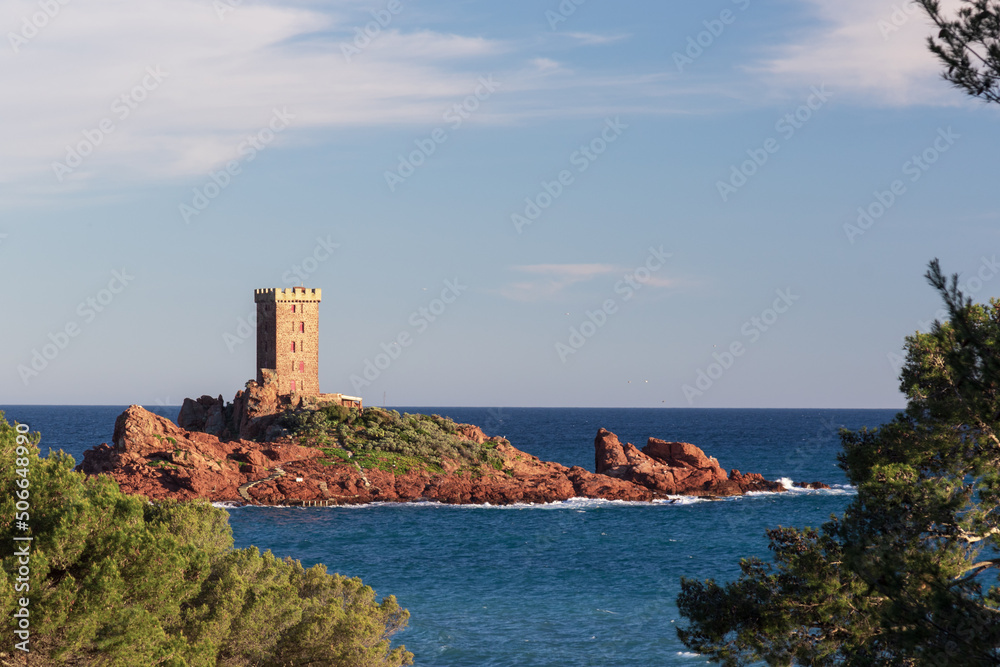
(724, 203)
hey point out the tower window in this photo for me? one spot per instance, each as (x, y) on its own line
(302, 327)
(293, 307)
(293, 346)
(293, 386)
(302, 366)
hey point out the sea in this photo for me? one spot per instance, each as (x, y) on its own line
(581, 582)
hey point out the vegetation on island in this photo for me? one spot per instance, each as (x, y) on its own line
(907, 575)
(117, 580)
(386, 440)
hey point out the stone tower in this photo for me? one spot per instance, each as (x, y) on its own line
(288, 338)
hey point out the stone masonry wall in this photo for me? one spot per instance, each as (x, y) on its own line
(288, 338)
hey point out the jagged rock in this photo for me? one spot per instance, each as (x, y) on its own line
(609, 455)
(153, 457)
(256, 408)
(682, 454)
(811, 485)
(192, 414)
(671, 468)
(195, 413)
(589, 485)
(472, 433)
(753, 482)
(215, 420)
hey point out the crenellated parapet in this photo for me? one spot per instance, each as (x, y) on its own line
(290, 294)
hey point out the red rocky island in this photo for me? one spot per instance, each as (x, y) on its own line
(263, 449)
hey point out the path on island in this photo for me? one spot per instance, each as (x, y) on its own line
(278, 472)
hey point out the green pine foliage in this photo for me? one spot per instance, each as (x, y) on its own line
(119, 581)
(387, 440)
(907, 576)
(968, 46)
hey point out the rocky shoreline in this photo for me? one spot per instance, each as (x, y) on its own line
(153, 457)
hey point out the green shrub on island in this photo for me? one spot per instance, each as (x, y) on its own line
(386, 440)
(117, 580)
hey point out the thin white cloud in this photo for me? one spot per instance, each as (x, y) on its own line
(222, 79)
(567, 271)
(660, 281)
(225, 77)
(873, 51)
(554, 279)
(431, 45)
(592, 39)
(547, 66)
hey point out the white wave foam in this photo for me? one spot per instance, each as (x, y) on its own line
(840, 490)
(686, 500)
(786, 482)
(688, 654)
(834, 490)
(235, 505)
(577, 504)
(583, 504)
(755, 494)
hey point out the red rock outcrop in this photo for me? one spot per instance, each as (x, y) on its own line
(256, 409)
(472, 433)
(610, 458)
(153, 457)
(812, 485)
(205, 414)
(252, 415)
(672, 468)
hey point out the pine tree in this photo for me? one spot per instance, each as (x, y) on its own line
(968, 46)
(117, 580)
(906, 576)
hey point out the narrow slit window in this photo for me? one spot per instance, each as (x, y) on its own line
(293, 346)
(302, 327)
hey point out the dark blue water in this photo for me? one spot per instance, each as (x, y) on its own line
(575, 583)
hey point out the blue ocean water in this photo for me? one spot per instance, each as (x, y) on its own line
(575, 583)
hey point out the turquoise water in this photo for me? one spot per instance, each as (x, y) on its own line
(574, 583)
